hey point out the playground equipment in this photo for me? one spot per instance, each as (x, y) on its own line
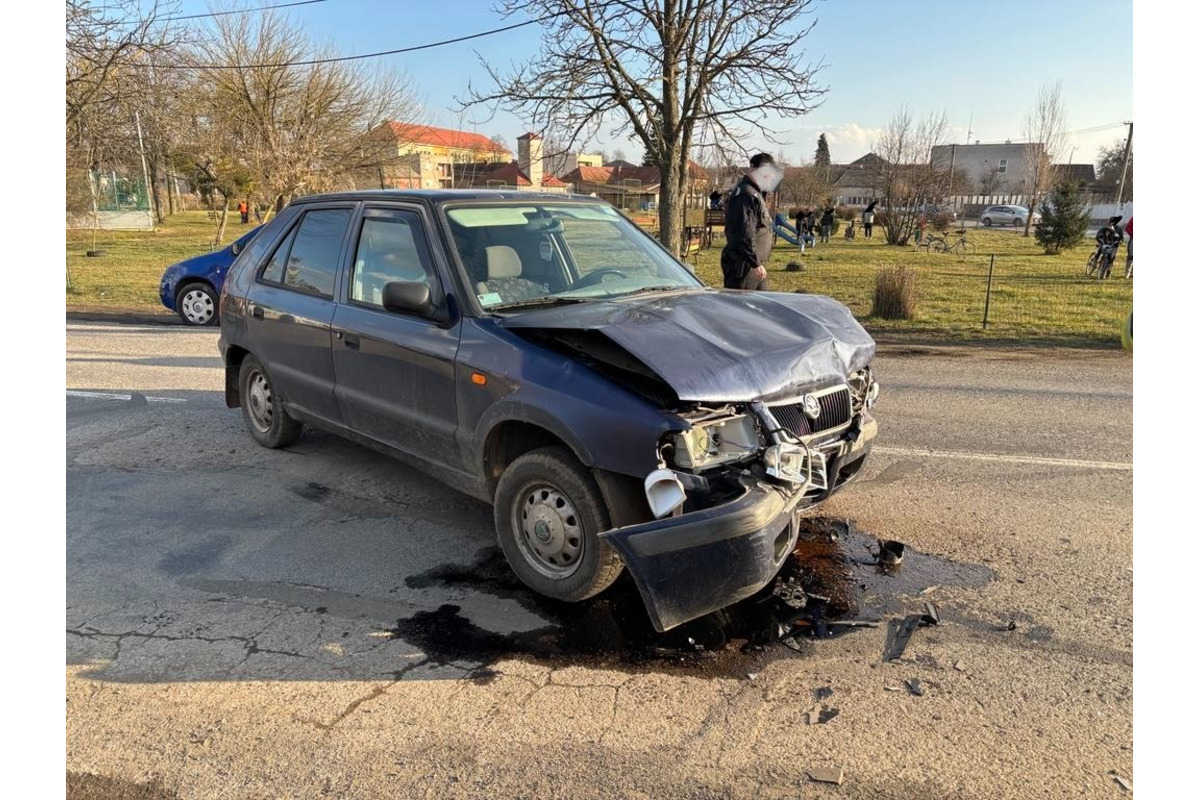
(784, 230)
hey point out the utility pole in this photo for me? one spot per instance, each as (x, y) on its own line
(1125, 167)
(137, 119)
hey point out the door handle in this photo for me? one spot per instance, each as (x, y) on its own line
(256, 312)
(351, 340)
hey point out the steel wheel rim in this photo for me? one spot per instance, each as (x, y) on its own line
(258, 402)
(197, 306)
(548, 530)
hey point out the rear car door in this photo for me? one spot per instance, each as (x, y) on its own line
(395, 371)
(290, 309)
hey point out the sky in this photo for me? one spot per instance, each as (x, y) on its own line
(982, 63)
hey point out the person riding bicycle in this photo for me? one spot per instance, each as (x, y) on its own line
(1109, 237)
(1110, 233)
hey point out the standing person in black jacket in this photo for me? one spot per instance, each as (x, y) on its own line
(748, 233)
(826, 224)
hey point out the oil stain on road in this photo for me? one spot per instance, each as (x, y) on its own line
(834, 565)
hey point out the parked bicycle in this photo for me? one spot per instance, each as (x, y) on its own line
(1100, 262)
(940, 244)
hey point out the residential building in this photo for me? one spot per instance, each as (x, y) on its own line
(990, 168)
(426, 157)
(635, 188)
(574, 160)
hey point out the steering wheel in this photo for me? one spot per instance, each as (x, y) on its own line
(598, 276)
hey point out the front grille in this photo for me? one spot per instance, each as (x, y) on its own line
(835, 412)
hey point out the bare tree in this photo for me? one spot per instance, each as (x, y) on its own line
(674, 74)
(908, 179)
(297, 126)
(556, 155)
(991, 182)
(805, 185)
(1110, 160)
(1044, 129)
(104, 41)
(107, 46)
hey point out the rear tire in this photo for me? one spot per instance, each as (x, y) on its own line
(262, 408)
(987, 222)
(548, 512)
(196, 304)
(1092, 263)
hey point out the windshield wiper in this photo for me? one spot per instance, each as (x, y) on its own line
(548, 300)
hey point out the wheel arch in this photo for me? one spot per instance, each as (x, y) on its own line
(234, 356)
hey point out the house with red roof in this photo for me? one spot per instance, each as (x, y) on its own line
(428, 157)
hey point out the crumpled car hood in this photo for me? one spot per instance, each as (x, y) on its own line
(723, 346)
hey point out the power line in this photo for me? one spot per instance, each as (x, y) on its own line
(360, 56)
(1097, 128)
(244, 10)
(227, 13)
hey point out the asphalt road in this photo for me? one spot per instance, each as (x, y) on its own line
(324, 621)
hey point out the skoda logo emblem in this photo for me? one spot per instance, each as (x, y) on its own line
(812, 408)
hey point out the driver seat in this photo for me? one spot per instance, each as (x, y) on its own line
(504, 277)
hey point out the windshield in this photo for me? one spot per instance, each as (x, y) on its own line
(530, 254)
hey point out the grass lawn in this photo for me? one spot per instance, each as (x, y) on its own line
(1034, 297)
(126, 278)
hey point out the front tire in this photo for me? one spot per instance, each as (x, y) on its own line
(196, 304)
(549, 512)
(262, 408)
(1093, 262)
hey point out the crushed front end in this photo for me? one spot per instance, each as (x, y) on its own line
(728, 488)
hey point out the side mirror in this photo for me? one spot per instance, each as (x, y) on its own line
(235, 248)
(408, 297)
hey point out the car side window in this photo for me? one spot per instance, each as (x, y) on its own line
(307, 259)
(391, 247)
(273, 271)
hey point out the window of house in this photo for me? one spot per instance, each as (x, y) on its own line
(1003, 168)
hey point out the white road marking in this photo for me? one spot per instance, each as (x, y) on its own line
(126, 397)
(1010, 459)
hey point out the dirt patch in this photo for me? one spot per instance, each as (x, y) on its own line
(85, 786)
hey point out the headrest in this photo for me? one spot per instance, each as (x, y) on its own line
(503, 262)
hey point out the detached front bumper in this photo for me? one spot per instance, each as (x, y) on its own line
(690, 565)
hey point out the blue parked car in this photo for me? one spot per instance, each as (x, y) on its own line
(543, 354)
(191, 288)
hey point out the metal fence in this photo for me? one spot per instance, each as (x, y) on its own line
(1058, 298)
(115, 192)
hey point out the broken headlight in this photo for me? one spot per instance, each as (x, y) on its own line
(720, 441)
(864, 389)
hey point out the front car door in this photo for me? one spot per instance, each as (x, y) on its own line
(290, 310)
(395, 371)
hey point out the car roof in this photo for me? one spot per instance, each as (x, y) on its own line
(446, 195)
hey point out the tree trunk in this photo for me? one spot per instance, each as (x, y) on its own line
(670, 202)
(224, 218)
(171, 201)
(155, 191)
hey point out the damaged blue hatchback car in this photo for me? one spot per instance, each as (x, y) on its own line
(542, 353)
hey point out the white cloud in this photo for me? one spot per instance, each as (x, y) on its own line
(851, 140)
